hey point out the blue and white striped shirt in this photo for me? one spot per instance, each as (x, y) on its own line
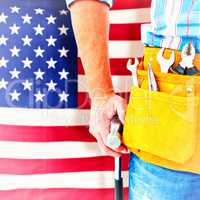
(173, 23)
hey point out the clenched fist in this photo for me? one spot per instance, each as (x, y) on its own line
(102, 111)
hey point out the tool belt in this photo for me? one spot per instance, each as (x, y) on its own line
(163, 127)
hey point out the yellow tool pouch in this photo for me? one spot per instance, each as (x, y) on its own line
(164, 122)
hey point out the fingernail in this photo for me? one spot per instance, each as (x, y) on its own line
(124, 151)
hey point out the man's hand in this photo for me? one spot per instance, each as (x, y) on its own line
(102, 111)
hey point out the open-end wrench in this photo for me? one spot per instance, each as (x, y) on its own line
(133, 69)
(113, 139)
(165, 64)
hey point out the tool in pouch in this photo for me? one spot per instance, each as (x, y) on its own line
(186, 66)
(165, 64)
(114, 141)
(133, 69)
(151, 79)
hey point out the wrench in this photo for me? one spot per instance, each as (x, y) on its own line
(165, 64)
(133, 69)
(113, 139)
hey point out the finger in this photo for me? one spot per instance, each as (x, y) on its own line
(121, 110)
(105, 149)
(122, 149)
(109, 111)
(104, 126)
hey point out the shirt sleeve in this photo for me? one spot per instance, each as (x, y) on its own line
(108, 2)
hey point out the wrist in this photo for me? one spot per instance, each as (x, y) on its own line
(101, 97)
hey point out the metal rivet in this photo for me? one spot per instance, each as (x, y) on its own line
(189, 90)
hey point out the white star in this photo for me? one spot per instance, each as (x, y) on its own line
(39, 30)
(15, 95)
(63, 30)
(15, 73)
(3, 62)
(51, 41)
(15, 51)
(51, 19)
(63, 12)
(39, 52)
(27, 63)
(14, 29)
(26, 19)
(63, 52)
(27, 85)
(14, 9)
(3, 83)
(51, 85)
(3, 18)
(63, 74)
(39, 96)
(51, 63)
(39, 11)
(3, 40)
(27, 40)
(39, 74)
(63, 96)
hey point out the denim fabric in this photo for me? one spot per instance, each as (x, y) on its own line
(151, 182)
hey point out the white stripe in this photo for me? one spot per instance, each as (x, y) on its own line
(127, 16)
(171, 15)
(145, 28)
(48, 150)
(44, 117)
(120, 83)
(125, 49)
(97, 179)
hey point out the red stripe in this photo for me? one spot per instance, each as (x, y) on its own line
(128, 4)
(45, 134)
(60, 194)
(117, 66)
(125, 31)
(44, 166)
(125, 95)
(80, 67)
(83, 100)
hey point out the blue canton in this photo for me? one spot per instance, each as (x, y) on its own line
(38, 55)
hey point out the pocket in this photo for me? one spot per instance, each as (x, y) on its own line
(161, 124)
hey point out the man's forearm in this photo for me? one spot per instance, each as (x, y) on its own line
(91, 27)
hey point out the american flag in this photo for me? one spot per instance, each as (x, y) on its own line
(46, 151)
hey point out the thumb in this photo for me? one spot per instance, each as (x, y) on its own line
(121, 110)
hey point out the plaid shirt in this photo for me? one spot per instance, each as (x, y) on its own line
(173, 23)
